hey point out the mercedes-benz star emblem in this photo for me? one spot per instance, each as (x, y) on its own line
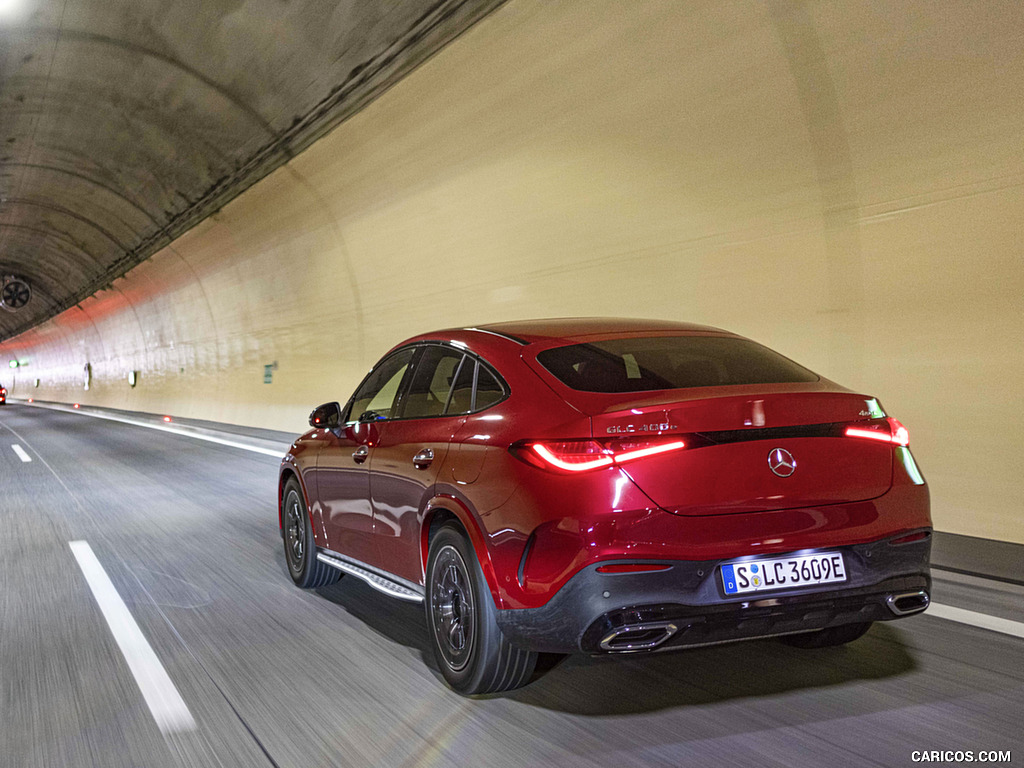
(781, 462)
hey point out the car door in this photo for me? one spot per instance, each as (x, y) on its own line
(343, 481)
(410, 451)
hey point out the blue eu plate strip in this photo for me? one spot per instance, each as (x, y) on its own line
(729, 579)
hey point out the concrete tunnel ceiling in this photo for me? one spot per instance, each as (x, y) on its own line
(123, 124)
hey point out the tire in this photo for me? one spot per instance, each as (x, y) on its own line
(828, 637)
(299, 549)
(473, 655)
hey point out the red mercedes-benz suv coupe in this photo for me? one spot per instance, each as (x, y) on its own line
(607, 486)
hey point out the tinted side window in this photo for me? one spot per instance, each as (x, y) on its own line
(669, 362)
(431, 382)
(488, 389)
(462, 391)
(378, 392)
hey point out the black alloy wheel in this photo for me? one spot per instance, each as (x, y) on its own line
(453, 609)
(473, 655)
(294, 533)
(299, 548)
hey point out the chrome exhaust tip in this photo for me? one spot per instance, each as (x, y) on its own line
(638, 637)
(906, 603)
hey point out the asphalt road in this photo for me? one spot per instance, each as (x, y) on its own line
(186, 531)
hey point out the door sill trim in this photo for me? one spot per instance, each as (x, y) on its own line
(382, 581)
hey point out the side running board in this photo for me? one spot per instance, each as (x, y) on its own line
(383, 582)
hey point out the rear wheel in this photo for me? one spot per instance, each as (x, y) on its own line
(299, 549)
(470, 649)
(828, 637)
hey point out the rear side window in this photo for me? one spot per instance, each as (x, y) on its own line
(431, 382)
(461, 400)
(444, 381)
(469, 398)
(669, 362)
(488, 389)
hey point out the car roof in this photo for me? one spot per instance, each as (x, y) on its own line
(500, 338)
(572, 328)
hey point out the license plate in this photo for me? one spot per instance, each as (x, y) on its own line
(783, 572)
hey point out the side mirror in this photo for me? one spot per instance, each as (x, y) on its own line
(327, 416)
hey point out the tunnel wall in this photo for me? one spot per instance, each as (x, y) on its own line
(841, 182)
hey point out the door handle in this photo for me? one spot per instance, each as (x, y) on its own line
(422, 459)
(359, 454)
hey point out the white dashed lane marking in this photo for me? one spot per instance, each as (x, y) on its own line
(21, 452)
(168, 708)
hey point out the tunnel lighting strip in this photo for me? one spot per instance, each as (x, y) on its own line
(172, 430)
(165, 703)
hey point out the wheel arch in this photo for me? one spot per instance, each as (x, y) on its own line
(288, 472)
(444, 509)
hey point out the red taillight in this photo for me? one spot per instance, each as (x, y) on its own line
(585, 455)
(573, 455)
(883, 430)
(638, 450)
(632, 567)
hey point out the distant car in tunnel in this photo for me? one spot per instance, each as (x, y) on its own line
(607, 487)
(3, 395)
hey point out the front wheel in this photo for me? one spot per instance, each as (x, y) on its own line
(299, 548)
(470, 649)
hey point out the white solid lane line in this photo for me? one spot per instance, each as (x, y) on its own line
(975, 619)
(168, 708)
(21, 452)
(277, 453)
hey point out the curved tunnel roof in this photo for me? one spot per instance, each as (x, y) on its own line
(123, 124)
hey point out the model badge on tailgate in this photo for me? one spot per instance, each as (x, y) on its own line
(620, 429)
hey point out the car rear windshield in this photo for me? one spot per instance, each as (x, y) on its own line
(669, 362)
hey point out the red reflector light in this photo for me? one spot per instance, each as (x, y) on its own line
(167, 418)
(911, 537)
(632, 568)
(30, 400)
(883, 430)
(584, 455)
(76, 405)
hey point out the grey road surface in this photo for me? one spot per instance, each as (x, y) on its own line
(187, 532)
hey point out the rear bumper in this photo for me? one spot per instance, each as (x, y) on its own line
(686, 605)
